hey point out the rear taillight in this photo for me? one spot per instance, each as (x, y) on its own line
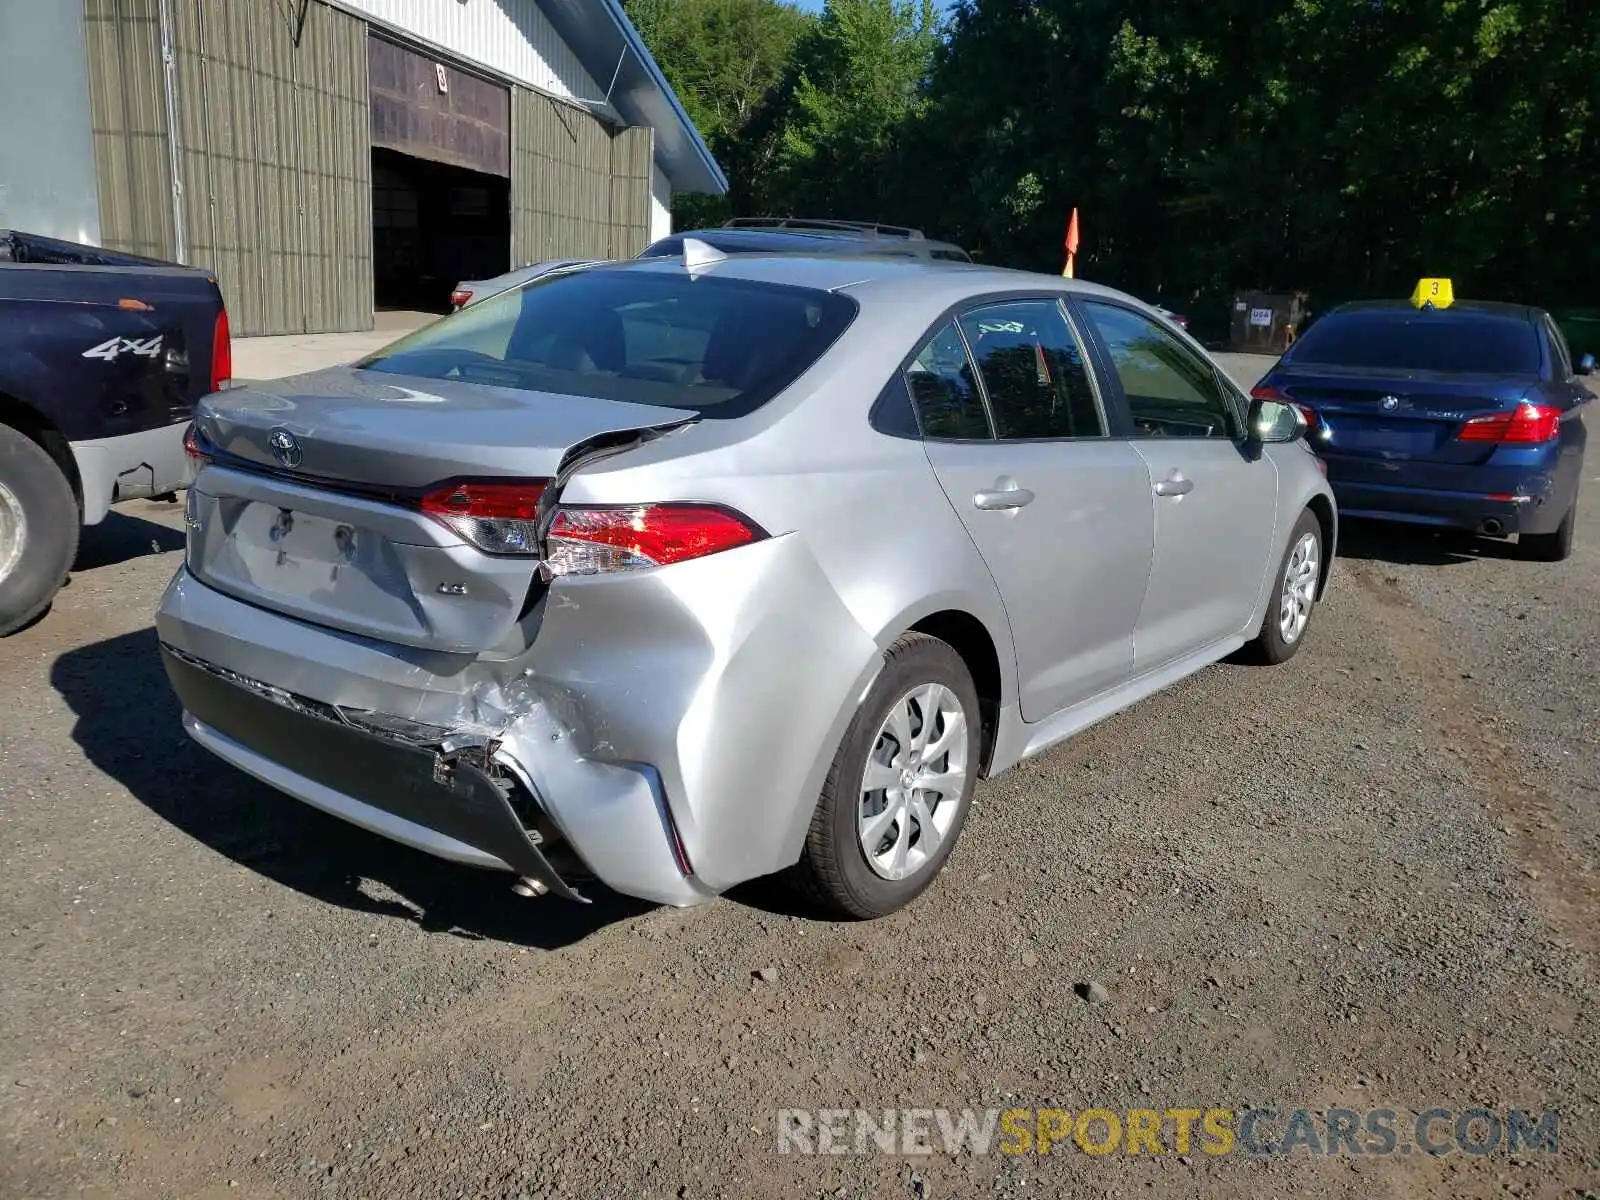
(1263, 391)
(221, 352)
(459, 297)
(595, 541)
(194, 448)
(1527, 425)
(498, 516)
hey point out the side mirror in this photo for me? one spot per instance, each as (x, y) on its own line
(1585, 365)
(1273, 421)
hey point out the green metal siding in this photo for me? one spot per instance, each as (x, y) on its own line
(276, 165)
(274, 157)
(123, 42)
(632, 152)
(576, 191)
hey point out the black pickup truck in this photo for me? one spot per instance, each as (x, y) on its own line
(102, 357)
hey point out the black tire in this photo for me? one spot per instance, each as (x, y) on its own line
(833, 870)
(1270, 646)
(1555, 546)
(48, 533)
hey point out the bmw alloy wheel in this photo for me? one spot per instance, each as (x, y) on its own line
(915, 777)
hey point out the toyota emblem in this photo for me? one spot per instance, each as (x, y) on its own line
(1390, 403)
(284, 447)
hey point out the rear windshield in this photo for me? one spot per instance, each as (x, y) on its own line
(1476, 343)
(720, 347)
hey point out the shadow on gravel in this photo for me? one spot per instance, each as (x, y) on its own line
(122, 536)
(128, 726)
(1408, 545)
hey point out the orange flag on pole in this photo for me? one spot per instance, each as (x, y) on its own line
(1072, 242)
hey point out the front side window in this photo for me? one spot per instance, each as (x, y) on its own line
(1034, 371)
(720, 347)
(944, 389)
(1171, 391)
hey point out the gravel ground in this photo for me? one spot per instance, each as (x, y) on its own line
(1364, 879)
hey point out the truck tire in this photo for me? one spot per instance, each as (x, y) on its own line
(38, 529)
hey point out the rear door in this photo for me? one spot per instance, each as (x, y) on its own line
(1215, 502)
(1062, 514)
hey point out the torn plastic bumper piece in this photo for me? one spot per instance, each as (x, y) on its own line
(401, 779)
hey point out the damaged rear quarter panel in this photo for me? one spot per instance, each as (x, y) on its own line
(733, 675)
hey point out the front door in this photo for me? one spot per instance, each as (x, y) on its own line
(1062, 515)
(1215, 499)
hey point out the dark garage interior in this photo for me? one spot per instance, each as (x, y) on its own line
(433, 225)
(441, 177)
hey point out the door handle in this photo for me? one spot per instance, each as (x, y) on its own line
(1174, 485)
(1012, 497)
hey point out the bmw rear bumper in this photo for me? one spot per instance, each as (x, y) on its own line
(1531, 504)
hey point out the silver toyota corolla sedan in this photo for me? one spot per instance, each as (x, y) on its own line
(677, 572)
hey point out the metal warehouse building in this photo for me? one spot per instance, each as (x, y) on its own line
(327, 158)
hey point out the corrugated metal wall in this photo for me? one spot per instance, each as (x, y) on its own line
(576, 191)
(509, 36)
(274, 153)
(276, 162)
(632, 155)
(123, 42)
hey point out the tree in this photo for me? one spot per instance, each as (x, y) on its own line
(834, 127)
(723, 58)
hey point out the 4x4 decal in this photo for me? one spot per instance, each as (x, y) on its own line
(114, 348)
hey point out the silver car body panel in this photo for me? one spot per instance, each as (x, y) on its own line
(703, 702)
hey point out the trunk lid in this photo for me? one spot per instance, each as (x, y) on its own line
(403, 434)
(1416, 416)
(309, 506)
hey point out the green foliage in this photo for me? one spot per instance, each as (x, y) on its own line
(1345, 147)
(723, 58)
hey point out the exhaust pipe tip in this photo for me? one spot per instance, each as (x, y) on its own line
(1492, 525)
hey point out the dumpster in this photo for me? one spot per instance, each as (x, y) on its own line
(1581, 328)
(1266, 322)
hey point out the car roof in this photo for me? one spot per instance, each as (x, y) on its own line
(842, 241)
(1483, 308)
(881, 276)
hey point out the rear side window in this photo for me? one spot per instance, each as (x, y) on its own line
(1033, 369)
(717, 346)
(944, 389)
(1560, 356)
(1408, 340)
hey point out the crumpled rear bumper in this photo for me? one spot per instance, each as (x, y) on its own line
(672, 727)
(451, 801)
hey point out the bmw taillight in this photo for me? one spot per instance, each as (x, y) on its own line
(459, 297)
(597, 541)
(1528, 424)
(221, 352)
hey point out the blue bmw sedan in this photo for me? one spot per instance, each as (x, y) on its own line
(1457, 414)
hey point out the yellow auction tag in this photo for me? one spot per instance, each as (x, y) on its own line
(1436, 292)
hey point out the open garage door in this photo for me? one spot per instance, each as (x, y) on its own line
(441, 167)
